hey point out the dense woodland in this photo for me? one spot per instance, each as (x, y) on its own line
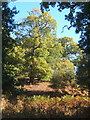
(36, 55)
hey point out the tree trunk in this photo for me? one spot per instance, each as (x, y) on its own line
(32, 80)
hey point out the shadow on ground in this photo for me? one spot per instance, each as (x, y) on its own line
(50, 93)
(41, 88)
(45, 91)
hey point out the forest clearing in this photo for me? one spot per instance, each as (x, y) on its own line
(45, 74)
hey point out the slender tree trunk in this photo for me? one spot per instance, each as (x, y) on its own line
(31, 80)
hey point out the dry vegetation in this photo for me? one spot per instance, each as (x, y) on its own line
(32, 104)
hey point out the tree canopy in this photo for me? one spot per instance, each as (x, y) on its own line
(36, 34)
(8, 25)
(79, 17)
(44, 53)
(37, 53)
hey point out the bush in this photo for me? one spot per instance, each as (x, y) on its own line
(8, 83)
(60, 79)
(64, 73)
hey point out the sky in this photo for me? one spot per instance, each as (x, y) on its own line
(23, 8)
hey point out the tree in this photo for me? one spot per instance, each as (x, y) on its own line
(82, 72)
(64, 74)
(64, 70)
(16, 54)
(7, 43)
(79, 17)
(71, 50)
(36, 34)
(55, 54)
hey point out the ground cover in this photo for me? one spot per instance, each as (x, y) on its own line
(43, 101)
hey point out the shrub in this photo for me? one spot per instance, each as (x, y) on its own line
(64, 73)
(60, 79)
(41, 106)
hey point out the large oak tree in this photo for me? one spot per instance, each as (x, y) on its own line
(36, 34)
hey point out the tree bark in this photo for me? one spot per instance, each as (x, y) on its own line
(32, 80)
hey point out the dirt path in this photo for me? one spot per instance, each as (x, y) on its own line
(42, 86)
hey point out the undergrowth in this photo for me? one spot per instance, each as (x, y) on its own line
(46, 107)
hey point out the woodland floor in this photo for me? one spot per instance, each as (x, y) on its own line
(47, 88)
(41, 88)
(78, 108)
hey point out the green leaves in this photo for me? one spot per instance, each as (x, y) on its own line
(71, 49)
(38, 25)
(63, 74)
(8, 25)
(43, 52)
(79, 18)
(37, 33)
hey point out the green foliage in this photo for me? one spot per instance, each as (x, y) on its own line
(55, 54)
(7, 27)
(36, 34)
(71, 49)
(82, 72)
(16, 54)
(79, 17)
(63, 74)
(38, 53)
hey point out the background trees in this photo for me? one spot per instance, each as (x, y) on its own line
(44, 54)
(8, 26)
(79, 17)
(38, 53)
(64, 74)
(71, 50)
